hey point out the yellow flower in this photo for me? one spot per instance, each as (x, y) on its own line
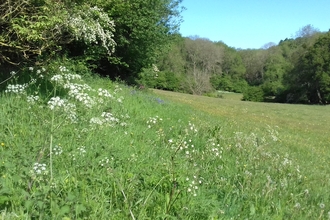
(2, 144)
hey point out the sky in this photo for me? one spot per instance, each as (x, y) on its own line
(252, 23)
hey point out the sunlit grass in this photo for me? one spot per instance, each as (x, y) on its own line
(303, 129)
(110, 151)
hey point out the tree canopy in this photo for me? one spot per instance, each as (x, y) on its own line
(116, 38)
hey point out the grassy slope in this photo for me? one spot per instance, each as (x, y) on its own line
(303, 130)
(151, 167)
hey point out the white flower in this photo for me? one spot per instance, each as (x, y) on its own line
(57, 78)
(39, 168)
(18, 88)
(57, 150)
(32, 99)
(56, 102)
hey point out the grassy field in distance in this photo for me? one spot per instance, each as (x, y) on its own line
(303, 129)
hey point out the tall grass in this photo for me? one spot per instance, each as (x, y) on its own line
(89, 148)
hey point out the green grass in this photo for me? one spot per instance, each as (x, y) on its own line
(304, 129)
(159, 155)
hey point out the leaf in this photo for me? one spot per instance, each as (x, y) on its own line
(252, 210)
(64, 210)
(3, 199)
(80, 208)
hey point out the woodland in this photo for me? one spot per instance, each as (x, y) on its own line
(138, 42)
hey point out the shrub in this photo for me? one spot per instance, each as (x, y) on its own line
(254, 94)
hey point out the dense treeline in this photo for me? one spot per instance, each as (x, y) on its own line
(297, 70)
(138, 41)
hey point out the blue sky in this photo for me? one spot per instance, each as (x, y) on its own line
(252, 23)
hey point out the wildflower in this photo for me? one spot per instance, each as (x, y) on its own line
(70, 76)
(297, 205)
(306, 192)
(57, 78)
(104, 161)
(96, 120)
(82, 150)
(32, 99)
(56, 102)
(104, 93)
(57, 150)
(18, 89)
(63, 69)
(170, 141)
(2, 144)
(322, 206)
(39, 168)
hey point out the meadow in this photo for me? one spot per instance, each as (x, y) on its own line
(76, 146)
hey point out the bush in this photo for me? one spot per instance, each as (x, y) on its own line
(160, 80)
(228, 83)
(254, 94)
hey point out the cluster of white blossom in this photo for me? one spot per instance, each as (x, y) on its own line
(192, 127)
(32, 99)
(153, 120)
(17, 89)
(63, 69)
(81, 150)
(104, 93)
(155, 68)
(39, 169)
(57, 78)
(56, 103)
(70, 77)
(193, 185)
(57, 150)
(105, 161)
(107, 119)
(38, 71)
(76, 91)
(93, 26)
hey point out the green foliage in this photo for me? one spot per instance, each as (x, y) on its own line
(254, 61)
(253, 93)
(39, 29)
(143, 29)
(160, 80)
(228, 83)
(309, 81)
(232, 62)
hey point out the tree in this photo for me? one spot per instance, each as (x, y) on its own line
(275, 67)
(231, 78)
(203, 59)
(309, 81)
(143, 29)
(307, 31)
(254, 61)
